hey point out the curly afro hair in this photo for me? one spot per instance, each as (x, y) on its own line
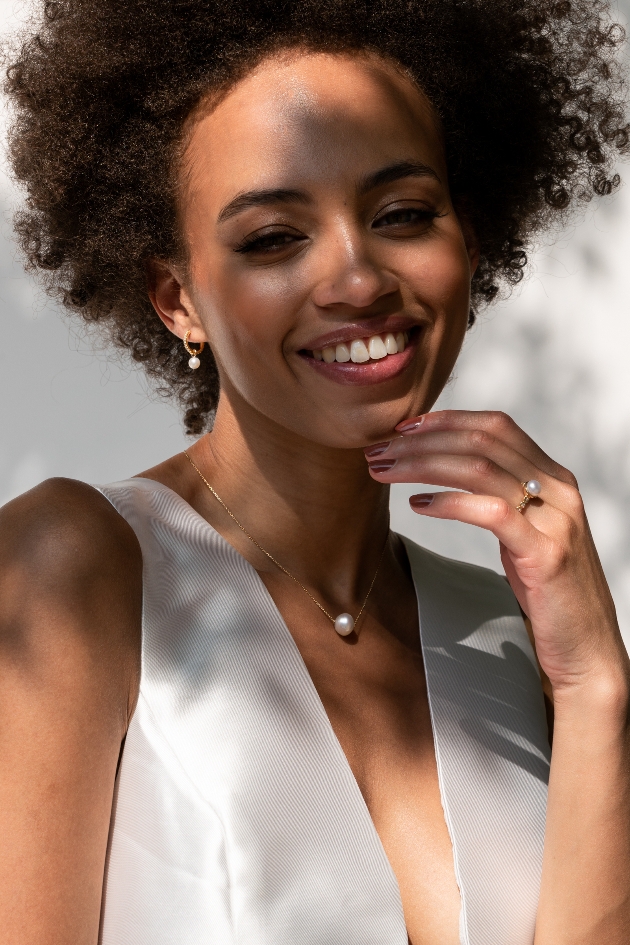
(529, 94)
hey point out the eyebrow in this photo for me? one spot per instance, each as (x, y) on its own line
(394, 172)
(260, 198)
(385, 175)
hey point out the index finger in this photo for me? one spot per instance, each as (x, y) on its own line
(500, 425)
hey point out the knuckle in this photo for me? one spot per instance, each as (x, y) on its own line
(566, 476)
(480, 440)
(557, 556)
(500, 510)
(500, 422)
(482, 466)
(570, 498)
(568, 529)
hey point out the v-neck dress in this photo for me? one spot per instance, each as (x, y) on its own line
(237, 819)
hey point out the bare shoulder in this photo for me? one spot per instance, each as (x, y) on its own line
(63, 516)
(70, 605)
(69, 560)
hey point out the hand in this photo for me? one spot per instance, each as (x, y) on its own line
(547, 550)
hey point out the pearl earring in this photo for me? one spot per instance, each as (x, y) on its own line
(194, 360)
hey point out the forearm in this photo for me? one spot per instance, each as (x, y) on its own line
(585, 892)
(554, 570)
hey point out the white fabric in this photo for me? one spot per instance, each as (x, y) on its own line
(237, 818)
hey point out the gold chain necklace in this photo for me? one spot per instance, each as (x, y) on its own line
(344, 624)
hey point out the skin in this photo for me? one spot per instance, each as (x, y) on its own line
(305, 461)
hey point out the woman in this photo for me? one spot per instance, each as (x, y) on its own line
(235, 707)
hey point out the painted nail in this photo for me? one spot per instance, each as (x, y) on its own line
(377, 449)
(421, 501)
(410, 426)
(382, 466)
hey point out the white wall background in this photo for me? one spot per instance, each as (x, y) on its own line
(555, 357)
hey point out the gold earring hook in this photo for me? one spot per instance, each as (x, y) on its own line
(190, 350)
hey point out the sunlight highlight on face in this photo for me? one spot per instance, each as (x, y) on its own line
(320, 229)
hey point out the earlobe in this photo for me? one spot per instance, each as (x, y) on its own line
(173, 304)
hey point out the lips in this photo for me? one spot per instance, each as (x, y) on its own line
(370, 360)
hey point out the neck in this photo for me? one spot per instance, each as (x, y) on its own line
(313, 507)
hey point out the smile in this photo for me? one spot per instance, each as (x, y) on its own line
(359, 351)
(370, 360)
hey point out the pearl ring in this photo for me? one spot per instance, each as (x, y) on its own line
(531, 490)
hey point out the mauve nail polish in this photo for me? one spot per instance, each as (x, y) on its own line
(421, 501)
(377, 448)
(383, 466)
(410, 427)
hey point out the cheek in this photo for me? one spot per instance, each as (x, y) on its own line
(440, 280)
(247, 314)
(440, 276)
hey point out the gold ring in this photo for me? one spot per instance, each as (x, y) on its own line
(531, 490)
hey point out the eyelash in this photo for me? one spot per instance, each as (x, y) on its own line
(256, 243)
(424, 215)
(251, 244)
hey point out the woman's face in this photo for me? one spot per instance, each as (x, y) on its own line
(322, 239)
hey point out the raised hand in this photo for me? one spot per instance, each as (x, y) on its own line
(546, 548)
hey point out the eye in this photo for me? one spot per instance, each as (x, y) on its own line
(270, 242)
(406, 220)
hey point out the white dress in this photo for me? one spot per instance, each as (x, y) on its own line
(237, 819)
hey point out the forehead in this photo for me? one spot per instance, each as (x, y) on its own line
(312, 117)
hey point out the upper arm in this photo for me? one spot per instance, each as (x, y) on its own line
(70, 603)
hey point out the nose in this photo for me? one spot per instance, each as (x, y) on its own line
(350, 276)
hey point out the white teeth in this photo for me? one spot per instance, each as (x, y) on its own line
(390, 344)
(376, 348)
(361, 350)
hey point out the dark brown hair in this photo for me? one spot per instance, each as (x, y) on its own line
(529, 93)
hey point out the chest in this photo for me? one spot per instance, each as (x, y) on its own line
(374, 693)
(254, 795)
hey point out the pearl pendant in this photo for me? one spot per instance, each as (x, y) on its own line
(194, 362)
(533, 487)
(344, 624)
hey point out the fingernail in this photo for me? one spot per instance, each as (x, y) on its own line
(382, 466)
(410, 426)
(377, 449)
(421, 501)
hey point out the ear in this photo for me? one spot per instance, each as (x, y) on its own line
(173, 303)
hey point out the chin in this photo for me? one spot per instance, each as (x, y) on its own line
(363, 428)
